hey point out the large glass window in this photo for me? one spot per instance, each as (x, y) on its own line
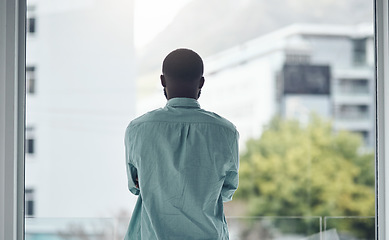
(295, 77)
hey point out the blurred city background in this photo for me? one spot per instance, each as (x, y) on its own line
(296, 77)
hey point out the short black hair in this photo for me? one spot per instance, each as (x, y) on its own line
(183, 64)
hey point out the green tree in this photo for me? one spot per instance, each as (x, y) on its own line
(311, 170)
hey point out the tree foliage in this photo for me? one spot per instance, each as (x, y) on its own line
(311, 170)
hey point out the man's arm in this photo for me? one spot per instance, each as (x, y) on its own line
(132, 175)
(132, 172)
(232, 176)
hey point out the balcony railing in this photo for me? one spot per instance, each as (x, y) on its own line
(350, 116)
(240, 228)
(352, 90)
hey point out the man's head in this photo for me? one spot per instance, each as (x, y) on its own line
(182, 74)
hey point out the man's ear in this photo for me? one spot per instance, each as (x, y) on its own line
(201, 83)
(163, 81)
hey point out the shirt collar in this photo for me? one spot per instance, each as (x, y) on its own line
(183, 102)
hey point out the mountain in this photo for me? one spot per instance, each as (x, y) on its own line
(210, 26)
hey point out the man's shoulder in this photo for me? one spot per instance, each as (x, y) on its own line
(198, 116)
(147, 117)
(215, 118)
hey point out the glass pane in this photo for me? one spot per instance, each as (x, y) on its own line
(241, 228)
(70, 229)
(272, 228)
(295, 77)
(350, 227)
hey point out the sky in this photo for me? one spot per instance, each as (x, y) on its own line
(152, 17)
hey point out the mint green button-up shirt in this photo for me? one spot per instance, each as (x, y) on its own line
(186, 162)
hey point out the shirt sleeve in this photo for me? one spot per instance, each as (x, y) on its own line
(132, 172)
(232, 176)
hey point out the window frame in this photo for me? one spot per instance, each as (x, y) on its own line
(12, 117)
(382, 115)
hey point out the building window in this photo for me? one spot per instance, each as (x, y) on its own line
(357, 112)
(354, 86)
(297, 58)
(30, 79)
(306, 79)
(29, 202)
(30, 20)
(31, 25)
(359, 51)
(30, 141)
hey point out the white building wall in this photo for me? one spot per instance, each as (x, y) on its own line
(334, 50)
(85, 97)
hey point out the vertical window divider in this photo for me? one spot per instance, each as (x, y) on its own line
(12, 118)
(382, 116)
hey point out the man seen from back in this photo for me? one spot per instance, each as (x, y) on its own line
(181, 160)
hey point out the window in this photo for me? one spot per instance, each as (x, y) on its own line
(353, 86)
(31, 25)
(297, 58)
(31, 20)
(306, 79)
(382, 33)
(30, 141)
(348, 111)
(29, 202)
(359, 51)
(77, 113)
(30, 79)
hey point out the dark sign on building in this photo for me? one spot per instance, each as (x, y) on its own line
(306, 79)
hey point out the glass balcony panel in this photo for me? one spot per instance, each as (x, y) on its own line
(240, 228)
(70, 229)
(274, 228)
(349, 228)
